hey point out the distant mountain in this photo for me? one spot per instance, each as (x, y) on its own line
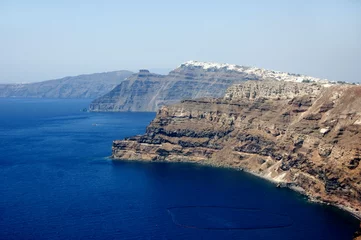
(82, 86)
(147, 91)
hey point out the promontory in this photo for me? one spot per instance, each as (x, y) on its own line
(300, 134)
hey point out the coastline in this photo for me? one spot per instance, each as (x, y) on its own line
(290, 186)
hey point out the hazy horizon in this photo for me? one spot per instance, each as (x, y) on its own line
(42, 40)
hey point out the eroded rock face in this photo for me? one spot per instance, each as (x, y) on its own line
(278, 138)
(274, 90)
(148, 91)
(191, 80)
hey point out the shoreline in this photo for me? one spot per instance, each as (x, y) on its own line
(291, 186)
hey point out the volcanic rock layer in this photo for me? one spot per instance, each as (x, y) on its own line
(301, 135)
(147, 91)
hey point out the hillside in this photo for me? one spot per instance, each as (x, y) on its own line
(82, 86)
(146, 91)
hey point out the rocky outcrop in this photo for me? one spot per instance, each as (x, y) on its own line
(82, 86)
(275, 90)
(148, 92)
(301, 135)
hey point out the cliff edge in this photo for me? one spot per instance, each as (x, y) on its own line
(305, 136)
(146, 91)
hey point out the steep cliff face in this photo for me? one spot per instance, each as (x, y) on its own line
(191, 80)
(148, 91)
(82, 86)
(137, 93)
(271, 90)
(301, 135)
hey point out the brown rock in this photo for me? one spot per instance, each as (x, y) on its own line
(257, 128)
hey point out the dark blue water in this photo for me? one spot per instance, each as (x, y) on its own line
(57, 183)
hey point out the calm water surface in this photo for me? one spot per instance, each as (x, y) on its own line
(57, 183)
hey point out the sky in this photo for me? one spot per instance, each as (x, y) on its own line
(41, 39)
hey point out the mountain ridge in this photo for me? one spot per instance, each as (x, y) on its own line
(260, 72)
(81, 86)
(190, 80)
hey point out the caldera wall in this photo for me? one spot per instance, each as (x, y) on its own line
(301, 135)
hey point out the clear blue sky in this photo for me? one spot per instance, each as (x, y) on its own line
(41, 40)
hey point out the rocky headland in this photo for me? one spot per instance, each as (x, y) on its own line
(147, 91)
(305, 136)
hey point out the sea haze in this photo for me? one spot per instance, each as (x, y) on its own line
(56, 182)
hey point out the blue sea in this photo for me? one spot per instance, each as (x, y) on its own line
(57, 182)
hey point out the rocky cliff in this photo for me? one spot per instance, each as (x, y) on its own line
(82, 86)
(301, 135)
(148, 92)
